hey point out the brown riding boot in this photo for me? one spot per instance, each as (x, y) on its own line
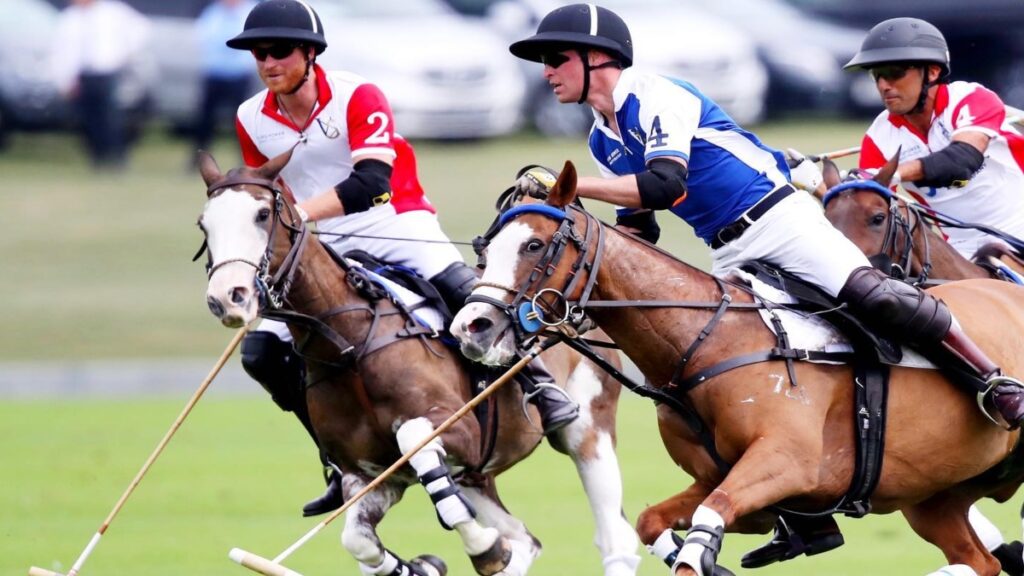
(1006, 393)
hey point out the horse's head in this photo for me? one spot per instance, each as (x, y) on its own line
(867, 212)
(533, 272)
(249, 226)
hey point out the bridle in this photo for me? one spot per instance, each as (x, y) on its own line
(530, 309)
(272, 288)
(894, 257)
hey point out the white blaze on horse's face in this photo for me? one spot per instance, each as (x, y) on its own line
(485, 332)
(236, 238)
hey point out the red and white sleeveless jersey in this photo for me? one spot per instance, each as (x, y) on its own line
(994, 196)
(351, 118)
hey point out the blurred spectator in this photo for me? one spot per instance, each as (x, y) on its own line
(92, 46)
(226, 72)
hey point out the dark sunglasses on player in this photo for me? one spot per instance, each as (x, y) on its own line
(277, 51)
(890, 73)
(553, 59)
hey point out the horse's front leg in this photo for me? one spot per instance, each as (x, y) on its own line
(483, 495)
(360, 538)
(489, 551)
(771, 469)
(590, 442)
(942, 520)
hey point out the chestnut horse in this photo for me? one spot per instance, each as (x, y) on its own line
(380, 394)
(782, 443)
(898, 237)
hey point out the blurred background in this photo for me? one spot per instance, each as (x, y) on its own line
(105, 328)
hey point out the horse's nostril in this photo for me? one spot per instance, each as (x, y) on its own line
(215, 306)
(239, 296)
(479, 325)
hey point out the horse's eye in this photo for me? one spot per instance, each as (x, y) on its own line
(263, 214)
(878, 219)
(534, 245)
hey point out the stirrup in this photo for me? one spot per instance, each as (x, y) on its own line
(538, 388)
(990, 385)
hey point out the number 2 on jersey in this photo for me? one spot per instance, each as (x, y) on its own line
(380, 135)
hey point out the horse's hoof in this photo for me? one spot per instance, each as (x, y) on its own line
(429, 565)
(494, 559)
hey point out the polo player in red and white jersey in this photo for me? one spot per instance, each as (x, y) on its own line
(958, 154)
(356, 178)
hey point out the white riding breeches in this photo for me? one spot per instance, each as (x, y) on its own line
(795, 236)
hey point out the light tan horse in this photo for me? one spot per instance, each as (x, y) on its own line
(899, 236)
(786, 443)
(373, 394)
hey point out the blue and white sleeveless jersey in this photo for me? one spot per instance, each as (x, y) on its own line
(729, 168)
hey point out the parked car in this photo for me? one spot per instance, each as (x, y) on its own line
(29, 97)
(804, 55)
(984, 36)
(669, 39)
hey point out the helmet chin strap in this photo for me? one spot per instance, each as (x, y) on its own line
(925, 86)
(587, 69)
(309, 68)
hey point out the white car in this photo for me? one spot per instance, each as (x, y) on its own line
(445, 76)
(667, 38)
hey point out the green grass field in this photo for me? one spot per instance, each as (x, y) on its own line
(99, 267)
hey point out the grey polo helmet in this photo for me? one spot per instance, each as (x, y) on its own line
(578, 26)
(902, 40)
(272, 20)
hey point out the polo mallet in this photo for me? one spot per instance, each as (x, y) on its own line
(1016, 118)
(273, 567)
(77, 566)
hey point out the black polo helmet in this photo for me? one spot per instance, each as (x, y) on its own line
(576, 26)
(902, 40)
(273, 20)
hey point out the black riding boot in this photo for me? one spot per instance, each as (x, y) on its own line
(274, 364)
(555, 406)
(795, 536)
(1004, 392)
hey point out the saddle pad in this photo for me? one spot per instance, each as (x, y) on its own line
(808, 331)
(426, 316)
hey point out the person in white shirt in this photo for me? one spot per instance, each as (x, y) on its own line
(93, 45)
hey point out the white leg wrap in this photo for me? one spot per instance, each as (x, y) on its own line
(694, 544)
(987, 532)
(522, 558)
(621, 565)
(386, 567)
(452, 509)
(955, 570)
(666, 547)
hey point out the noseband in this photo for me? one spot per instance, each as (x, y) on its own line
(272, 288)
(894, 260)
(527, 308)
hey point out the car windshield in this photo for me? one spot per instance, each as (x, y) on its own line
(380, 8)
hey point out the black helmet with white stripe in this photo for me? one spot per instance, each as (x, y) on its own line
(578, 26)
(274, 20)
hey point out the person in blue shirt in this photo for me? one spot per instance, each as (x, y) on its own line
(227, 73)
(660, 144)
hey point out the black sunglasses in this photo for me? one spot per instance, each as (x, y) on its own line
(553, 59)
(890, 73)
(277, 51)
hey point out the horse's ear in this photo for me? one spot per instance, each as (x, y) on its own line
(564, 190)
(273, 167)
(884, 175)
(208, 168)
(830, 172)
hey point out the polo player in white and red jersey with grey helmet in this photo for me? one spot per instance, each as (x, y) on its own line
(957, 152)
(356, 178)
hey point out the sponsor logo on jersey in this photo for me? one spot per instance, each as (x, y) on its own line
(328, 127)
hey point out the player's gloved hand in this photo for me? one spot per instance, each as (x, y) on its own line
(803, 173)
(536, 181)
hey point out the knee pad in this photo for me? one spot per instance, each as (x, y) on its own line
(907, 312)
(455, 283)
(274, 364)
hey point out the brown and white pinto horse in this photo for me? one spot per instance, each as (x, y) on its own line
(370, 405)
(784, 446)
(898, 235)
